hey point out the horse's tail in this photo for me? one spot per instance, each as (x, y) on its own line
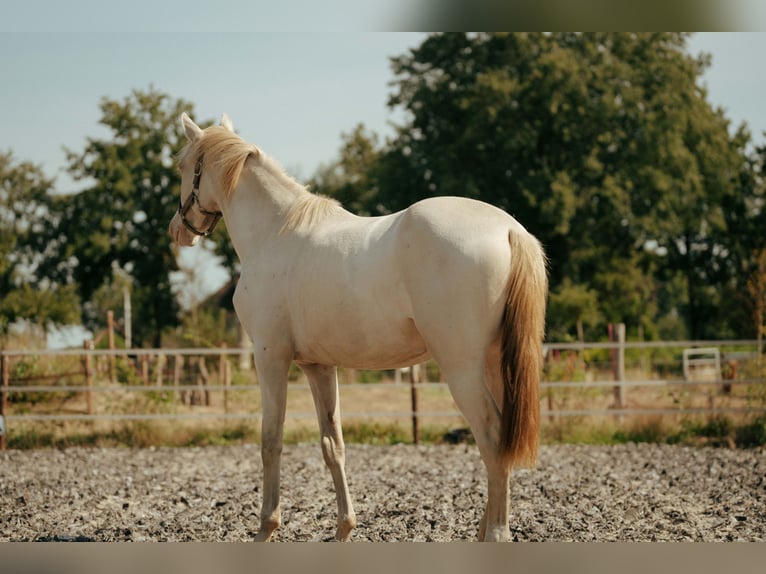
(523, 330)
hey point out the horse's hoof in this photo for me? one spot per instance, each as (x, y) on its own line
(343, 533)
(263, 536)
(497, 535)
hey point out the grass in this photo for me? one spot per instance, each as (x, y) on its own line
(717, 431)
(142, 434)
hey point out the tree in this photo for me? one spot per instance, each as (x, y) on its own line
(121, 220)
(352, 178)
(572, 305)
(25, 214)
(603, 145)
(756, 288)
(740, 255)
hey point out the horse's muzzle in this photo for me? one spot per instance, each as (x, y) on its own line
(180, 235)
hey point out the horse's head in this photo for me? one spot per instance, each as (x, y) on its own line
(198, 210)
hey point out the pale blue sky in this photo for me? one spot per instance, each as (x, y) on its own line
(291, 93)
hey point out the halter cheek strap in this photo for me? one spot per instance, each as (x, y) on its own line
(193, 199)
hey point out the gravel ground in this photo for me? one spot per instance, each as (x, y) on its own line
(401, 493)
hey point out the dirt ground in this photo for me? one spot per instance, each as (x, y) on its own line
(401, 493)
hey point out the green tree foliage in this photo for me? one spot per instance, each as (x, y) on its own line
(121, 220)
(352, 179)
(26, 292)
(603, 145)
(739, 258)
(573, 305)
(756, 289)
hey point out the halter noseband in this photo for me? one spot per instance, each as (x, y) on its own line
(183, 208)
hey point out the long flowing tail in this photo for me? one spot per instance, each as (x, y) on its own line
(523, 330)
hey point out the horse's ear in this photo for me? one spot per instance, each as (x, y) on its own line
(192, 130)
(226, 122)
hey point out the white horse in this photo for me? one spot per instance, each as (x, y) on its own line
(449, 278)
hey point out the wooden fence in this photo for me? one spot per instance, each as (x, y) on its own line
(185, 374)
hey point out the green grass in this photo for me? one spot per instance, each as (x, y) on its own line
(718, 431)
(141, 434)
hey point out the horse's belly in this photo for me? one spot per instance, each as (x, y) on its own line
(364, 344)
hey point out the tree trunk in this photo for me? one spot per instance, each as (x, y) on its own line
(691, 291)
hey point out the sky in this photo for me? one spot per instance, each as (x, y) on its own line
(291, 93)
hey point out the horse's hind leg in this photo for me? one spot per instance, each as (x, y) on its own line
(475, 401)
(324, 387)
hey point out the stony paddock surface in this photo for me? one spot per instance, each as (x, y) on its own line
(401, 493)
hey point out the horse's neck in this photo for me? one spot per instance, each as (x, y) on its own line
(256, 210)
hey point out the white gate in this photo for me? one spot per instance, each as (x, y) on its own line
(702, 364)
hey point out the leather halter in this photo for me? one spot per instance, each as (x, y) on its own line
(183, 208)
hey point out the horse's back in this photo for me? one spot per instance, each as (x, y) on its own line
(452, 237)
(456, 260)
(460, 211)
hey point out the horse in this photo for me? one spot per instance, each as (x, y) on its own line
(449, 278)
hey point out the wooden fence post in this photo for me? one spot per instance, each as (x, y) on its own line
(145, 369)
(619, 368)
(88, 368)
(5, 369)
(110, 337)
(203, 380)
(160, 368)
(414, 398)
(227, 383)
(222, 362)
(178, 365)
(549, 396)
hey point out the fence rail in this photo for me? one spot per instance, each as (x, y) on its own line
(222, 388)
(618, 382)
(548, 346)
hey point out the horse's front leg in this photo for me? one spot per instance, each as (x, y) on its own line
(272, 377)
(324, 387)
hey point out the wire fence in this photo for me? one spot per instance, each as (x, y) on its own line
(616, 379)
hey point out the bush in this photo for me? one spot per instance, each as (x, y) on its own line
(752, 434)
(652, 431)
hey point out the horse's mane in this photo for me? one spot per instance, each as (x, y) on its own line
(308, 209)
(229, 152)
